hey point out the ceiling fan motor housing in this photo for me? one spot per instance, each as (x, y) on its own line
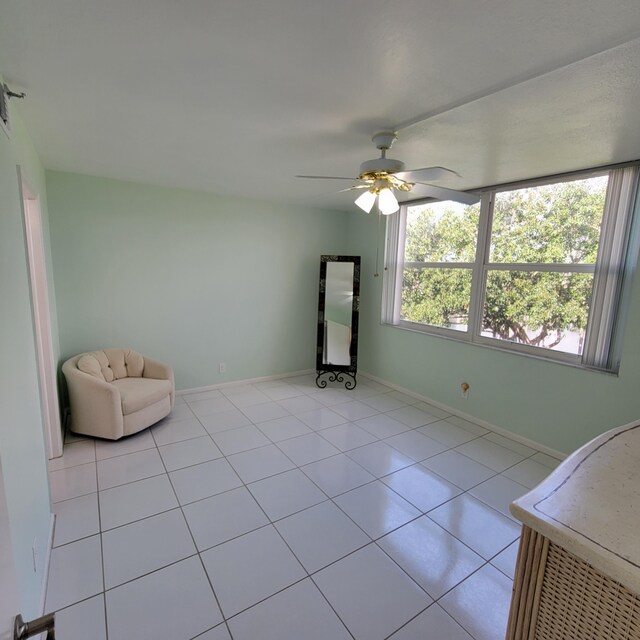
(381, 165)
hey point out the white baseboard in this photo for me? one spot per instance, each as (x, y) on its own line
(223, 385)
(466, 416)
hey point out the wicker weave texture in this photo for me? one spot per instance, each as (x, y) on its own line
(532, 555)
(578, 603)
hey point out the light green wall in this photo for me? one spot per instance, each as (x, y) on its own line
(190, 278)
(559, 406)
(21, 433)
(197, 279)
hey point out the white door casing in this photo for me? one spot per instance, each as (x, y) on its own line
(42, 323)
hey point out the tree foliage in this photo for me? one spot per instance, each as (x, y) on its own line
(553, 224)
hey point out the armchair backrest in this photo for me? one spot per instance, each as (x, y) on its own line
(112, 364)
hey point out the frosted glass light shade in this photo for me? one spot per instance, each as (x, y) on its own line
(387, 202)
(366, 200)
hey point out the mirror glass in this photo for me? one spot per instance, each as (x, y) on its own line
(337, 313)
(338, 317)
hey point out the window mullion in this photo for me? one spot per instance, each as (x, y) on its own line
(479, 277)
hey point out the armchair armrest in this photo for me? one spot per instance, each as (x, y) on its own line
(159, 371)
(93, 402)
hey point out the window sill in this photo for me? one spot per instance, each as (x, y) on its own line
(465, 338)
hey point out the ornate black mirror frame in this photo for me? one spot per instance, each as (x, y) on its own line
(337, 372)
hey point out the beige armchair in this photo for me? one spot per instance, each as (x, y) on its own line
(117, 392)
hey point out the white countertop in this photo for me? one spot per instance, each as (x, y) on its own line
(590, 505)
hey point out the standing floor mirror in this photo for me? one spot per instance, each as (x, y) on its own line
(338, 307)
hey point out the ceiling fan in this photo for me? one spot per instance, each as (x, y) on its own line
(382, 176)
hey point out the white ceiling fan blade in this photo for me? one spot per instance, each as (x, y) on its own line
(427, 173)
(430, 190)
(356, 186)
(328, 178)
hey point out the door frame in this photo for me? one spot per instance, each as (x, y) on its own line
(37, 269)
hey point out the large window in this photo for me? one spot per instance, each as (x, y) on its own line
(538, 267)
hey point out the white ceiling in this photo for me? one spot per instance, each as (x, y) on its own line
(238, 96)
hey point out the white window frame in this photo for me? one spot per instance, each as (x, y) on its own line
(615, 261)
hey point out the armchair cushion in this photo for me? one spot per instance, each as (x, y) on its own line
(96, 365)
(112, 364)
(138, 393)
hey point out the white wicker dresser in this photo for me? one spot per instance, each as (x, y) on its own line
(578, 569)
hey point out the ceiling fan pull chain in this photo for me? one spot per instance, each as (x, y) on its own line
(376, 274)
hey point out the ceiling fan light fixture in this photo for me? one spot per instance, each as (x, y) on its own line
(366, 200)
(387, 202)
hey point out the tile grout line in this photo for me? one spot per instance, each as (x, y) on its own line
(414, 463)
(270, 523)
(193, 540)
(273, 524)
(375, 541)
(104, 586)
(308, 575)
(301, 468)
(371, 540)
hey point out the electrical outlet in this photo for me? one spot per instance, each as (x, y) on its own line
(464, 390)
(223, 367)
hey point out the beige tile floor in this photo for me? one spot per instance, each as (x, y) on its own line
(280, 511)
